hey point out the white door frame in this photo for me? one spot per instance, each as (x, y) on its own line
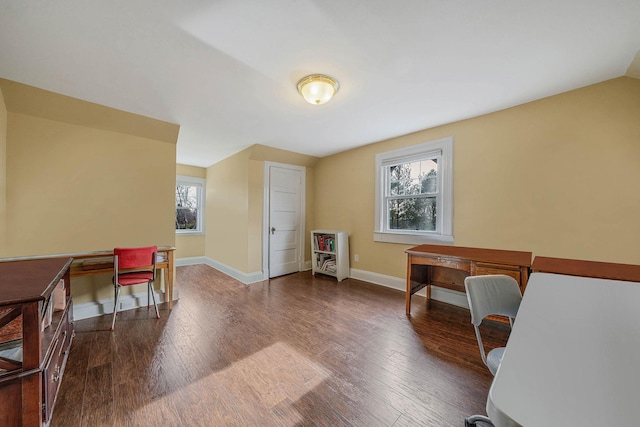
(265, 215)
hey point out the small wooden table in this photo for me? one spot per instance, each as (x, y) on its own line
(98, 262)
(447, 267)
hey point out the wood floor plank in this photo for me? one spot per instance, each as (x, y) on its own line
(298, 350)
(131, 404)
(97, 405)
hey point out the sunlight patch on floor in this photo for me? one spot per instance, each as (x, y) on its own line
(267, 383)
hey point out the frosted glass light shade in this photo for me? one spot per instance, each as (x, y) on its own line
(317, 89)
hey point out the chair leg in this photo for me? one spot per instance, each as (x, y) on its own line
(115, 308)
(153, 295)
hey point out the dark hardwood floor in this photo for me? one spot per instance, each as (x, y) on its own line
(293, 351)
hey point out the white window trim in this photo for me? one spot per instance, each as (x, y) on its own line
(443, 146)
(192, 180)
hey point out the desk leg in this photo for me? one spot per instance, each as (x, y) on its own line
(170, 270)
(418, 277)
(408, 294)
(408, 297)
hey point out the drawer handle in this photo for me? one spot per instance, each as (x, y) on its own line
(56, 374)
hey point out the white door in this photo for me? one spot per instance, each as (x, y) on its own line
(284, 220)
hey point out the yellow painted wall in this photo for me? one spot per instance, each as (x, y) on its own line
(188, 170)
(74, 188)
(262, 152)
(235, 191)
(33, 101)
(3, 175)
(228, 211)
(190, 245)
(556, 177)
(254, 225)
(75, 185)
(310, 213)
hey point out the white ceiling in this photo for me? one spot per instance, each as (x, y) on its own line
(226, 70)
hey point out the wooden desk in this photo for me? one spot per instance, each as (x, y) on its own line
(99, 262)
(447, 267)
(572, 355)
(599, 270)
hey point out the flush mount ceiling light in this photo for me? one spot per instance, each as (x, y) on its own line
(318, 89)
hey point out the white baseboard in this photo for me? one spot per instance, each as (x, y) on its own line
(246, 278)
(105, 306)
(380, 279)
(439, 294)
(191, 261)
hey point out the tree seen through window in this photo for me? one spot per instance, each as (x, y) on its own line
(412, 195)
(186, 207)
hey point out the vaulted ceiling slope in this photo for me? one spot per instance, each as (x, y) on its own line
(226, 70)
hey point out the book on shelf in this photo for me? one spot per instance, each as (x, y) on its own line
(324, 242)
(329, 265)
(326, 262)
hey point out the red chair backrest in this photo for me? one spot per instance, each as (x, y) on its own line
(135, 257)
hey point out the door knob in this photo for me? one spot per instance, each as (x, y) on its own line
(273, 230)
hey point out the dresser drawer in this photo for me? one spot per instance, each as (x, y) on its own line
(52, 374)
(482, 269)
(443, 261)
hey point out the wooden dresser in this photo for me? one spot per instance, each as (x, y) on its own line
(36, 318)
(447, 267)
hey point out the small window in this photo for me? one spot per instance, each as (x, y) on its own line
(189, 205)
(414, 189)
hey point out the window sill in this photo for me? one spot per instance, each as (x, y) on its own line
(189, 233)
(412, 239)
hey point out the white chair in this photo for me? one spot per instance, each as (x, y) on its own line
(488, 295)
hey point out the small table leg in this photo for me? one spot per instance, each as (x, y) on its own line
(170, 277)
(408, 294)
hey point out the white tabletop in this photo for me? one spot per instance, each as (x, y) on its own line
(573, 356)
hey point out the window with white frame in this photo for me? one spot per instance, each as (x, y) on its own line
(414, 194)
(190, 192)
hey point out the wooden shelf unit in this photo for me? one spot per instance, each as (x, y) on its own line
(28, 387)
(330, 253)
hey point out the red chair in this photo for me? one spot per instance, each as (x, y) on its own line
(140, 267)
